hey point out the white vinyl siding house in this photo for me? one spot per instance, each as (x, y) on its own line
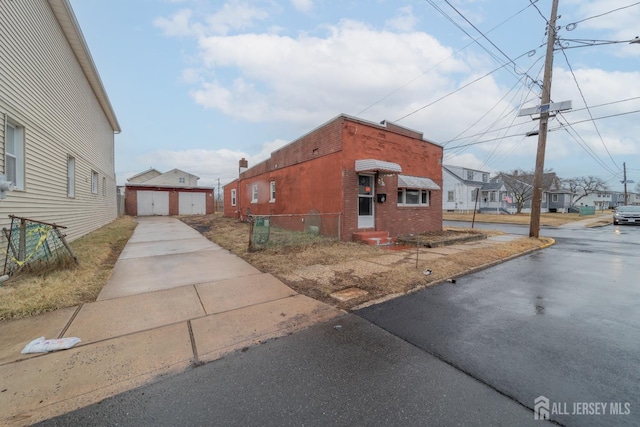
(52, 93)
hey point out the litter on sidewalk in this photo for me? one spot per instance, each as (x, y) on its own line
(43, 345)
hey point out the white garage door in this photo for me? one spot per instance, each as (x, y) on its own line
(153, 203)
(192, 203)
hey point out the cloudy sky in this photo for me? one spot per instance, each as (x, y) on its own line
(198, 84)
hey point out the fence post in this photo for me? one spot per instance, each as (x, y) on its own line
(22, 243)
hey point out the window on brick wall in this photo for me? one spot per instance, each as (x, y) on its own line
(413, 197)
(233, 197)
(272, 191)
(254, 193)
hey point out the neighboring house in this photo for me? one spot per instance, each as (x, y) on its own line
(379, 177)
(171, 193)
(603, 200)
(633, 199)
(460, 186)
(144, 176)
(173, 177)
(57, 124)
(555, 198)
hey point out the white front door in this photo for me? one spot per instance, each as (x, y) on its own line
(365, 201)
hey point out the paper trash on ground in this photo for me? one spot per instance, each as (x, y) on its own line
(42, 345)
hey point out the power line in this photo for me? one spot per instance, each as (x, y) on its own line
(474, 40)
(550, 129)
(574, 24)
(587, 107)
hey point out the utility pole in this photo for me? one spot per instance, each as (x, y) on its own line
(536, 201)
(624, 170)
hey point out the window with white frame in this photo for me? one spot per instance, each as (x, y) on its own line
(181, 180)
(492, 196)
(450, 196)
(71, 176)
(544, 197)
(254, 193)
(233, 197)
(554, 197)
(485, 177)
(470, 175)
(413, 197)
(14, 155)
(94, 182)
(272, 191)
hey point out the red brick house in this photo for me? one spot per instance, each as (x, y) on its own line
(379, 177)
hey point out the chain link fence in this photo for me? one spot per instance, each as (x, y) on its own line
(29, 242)
(293, 229)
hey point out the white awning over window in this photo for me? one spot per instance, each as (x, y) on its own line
(372, 165)
(418, 182)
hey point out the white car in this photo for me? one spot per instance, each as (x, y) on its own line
(626, 215)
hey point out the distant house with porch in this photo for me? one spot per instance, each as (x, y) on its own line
(382, 179)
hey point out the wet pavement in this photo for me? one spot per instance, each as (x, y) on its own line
(344, 372)
(562, 323)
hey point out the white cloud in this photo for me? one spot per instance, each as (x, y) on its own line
(209, 165)
(234, 15)
(281, 78)
(178, 25)
(404, 21)
(302, 5)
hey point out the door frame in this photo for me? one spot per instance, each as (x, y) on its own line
(366, 221)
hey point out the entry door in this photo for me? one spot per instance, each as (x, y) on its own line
(365, 201)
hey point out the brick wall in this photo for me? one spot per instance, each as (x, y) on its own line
(316, 172)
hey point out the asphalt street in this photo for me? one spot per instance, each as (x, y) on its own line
(562, 323)
(345, 372)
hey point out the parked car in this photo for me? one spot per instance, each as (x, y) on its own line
(626, 215)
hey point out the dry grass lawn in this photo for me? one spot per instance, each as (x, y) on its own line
(33, 292)
(324, 267)
(548, 219)
(317, 269)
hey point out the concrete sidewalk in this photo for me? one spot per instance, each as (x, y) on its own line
(174, 300)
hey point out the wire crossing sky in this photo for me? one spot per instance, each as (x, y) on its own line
(197, 85)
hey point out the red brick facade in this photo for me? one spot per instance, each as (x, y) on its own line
(317, 172)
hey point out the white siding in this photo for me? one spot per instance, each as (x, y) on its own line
(173, 178)
(44, 89)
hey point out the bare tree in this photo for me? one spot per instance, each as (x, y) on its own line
(583, 186)
(520, 184)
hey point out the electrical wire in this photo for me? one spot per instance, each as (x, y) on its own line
(575, 79)
(574, 24)
(474, 40)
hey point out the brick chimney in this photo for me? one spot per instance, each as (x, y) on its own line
(243, 165)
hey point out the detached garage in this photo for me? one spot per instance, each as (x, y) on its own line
(148, 200)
